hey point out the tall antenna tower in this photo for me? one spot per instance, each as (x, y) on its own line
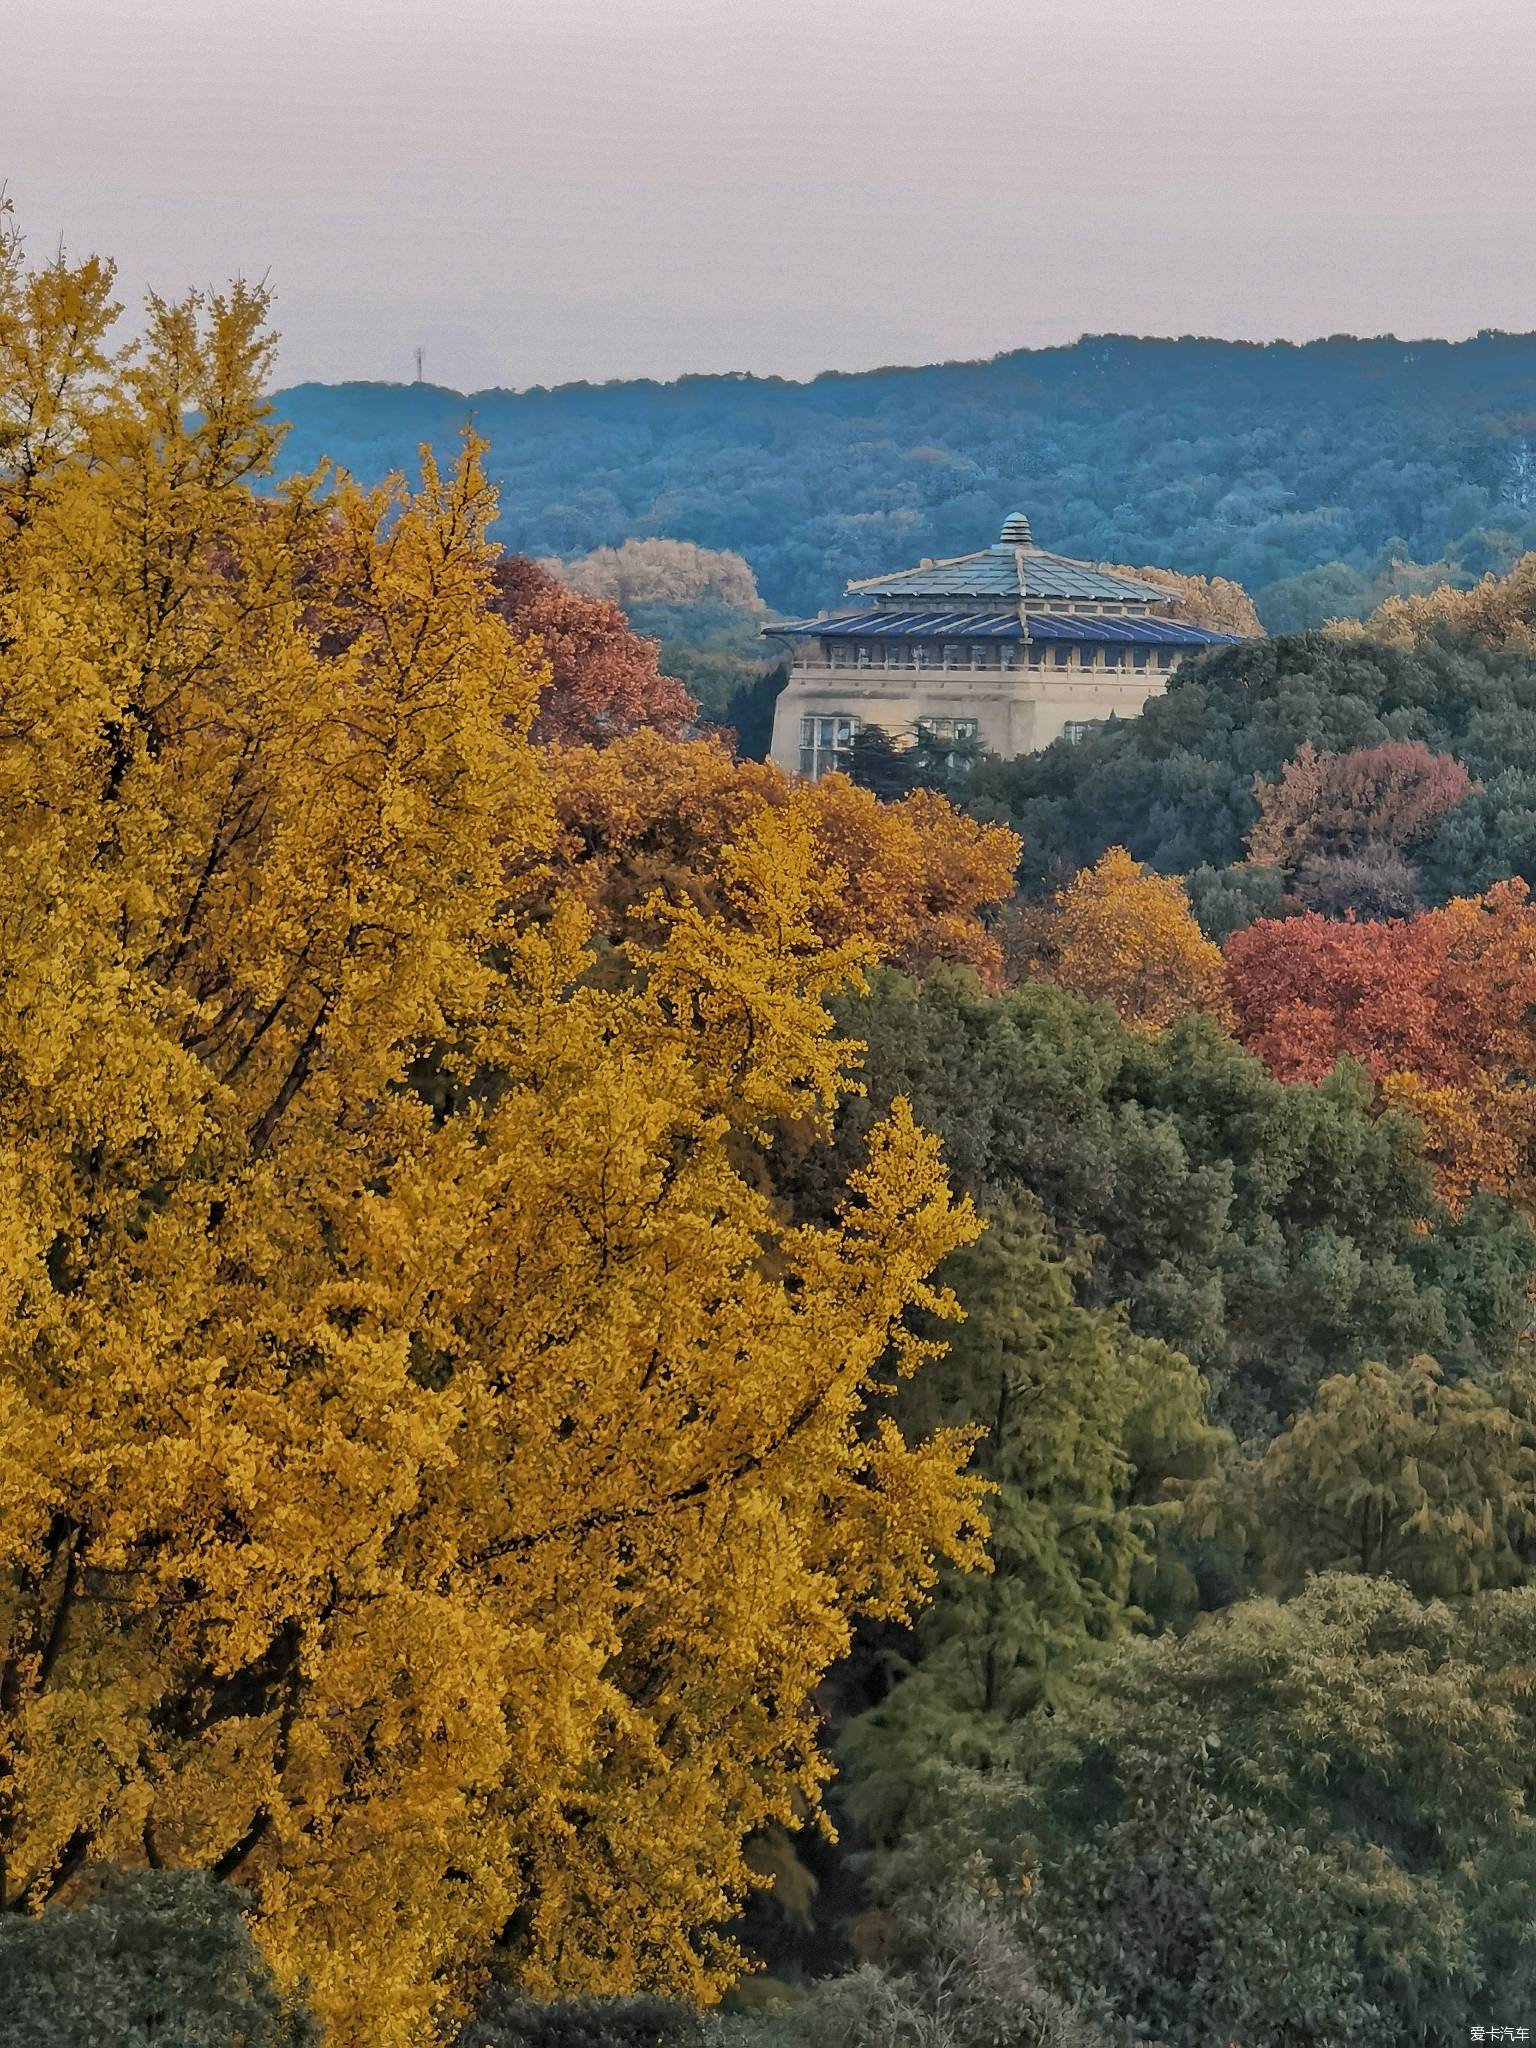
(419, 359)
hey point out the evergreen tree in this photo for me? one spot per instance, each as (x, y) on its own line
(956, 1976)
(1307, 1822)
(1274, 1234)
(1226, 900)
(879, 764)
(1175, 786)
(1391, 1472)
(508, 2021)
(146, 1957)
(1082, 1423)
(1489, 836)
(1323, 476)
(892, 766)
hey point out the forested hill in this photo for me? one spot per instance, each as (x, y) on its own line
(1304, 471)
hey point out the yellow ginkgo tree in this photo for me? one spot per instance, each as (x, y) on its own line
(433, 1474)
(1119, 933)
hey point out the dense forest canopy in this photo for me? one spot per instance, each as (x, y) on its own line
(1178, 785)
(616, 1367)
(1305, 472)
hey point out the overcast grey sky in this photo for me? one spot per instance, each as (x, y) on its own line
(540, 190)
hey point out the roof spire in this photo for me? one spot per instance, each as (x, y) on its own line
(1016, 533)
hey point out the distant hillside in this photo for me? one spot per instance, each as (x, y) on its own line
(1307, 473)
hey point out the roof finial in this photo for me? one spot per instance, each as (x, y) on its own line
(1016, 533)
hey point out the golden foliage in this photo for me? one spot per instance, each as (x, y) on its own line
(909, 879)
(1119, 934)
(432, 1478)
(1479, 1133)
(1500, 611)
(1215, 602)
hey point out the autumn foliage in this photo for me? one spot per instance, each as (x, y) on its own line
(1121, 935)
(1331, 805)
(1498, 611)
(908, 880)
(1215, 602)
(1440, 1009)
(434, 1477)
(603, 679)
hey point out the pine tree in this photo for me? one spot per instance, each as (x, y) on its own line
(1083, 1421)
(1395, 1472)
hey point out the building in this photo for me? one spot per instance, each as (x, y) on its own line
(1010, 649)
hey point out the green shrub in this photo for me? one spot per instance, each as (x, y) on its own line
(161, 1957)
(509, 2022)
(1302, 1822)
(957, 1978)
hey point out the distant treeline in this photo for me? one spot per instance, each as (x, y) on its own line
(1310, 473)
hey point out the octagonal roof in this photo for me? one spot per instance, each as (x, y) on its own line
(1012, 568)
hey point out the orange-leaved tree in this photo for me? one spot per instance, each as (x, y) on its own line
(434, 1478)
(1440, 1009)
(1122, 935)
(911, 879)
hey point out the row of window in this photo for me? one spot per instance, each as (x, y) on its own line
(826, 742)
(1063, 653)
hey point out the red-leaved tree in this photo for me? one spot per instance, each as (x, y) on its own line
(1440, 1009)
(604, 680)
(1337, 804)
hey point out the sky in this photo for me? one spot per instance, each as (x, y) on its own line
(539, 191)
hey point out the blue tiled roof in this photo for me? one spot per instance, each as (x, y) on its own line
(996, 571)
(1163, 632)
(952, 625)
(1122, 629)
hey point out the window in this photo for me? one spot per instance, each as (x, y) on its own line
(980, 656)
(1036, 655)
(1140, 656)
(1117, 657)
(1063, 654)
(1076, 730)
(863, 654)
(953, 655)
(956, 737)
(948, 728)
(825, 742)
(1165, 657)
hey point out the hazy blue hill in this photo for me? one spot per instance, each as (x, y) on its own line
(1265, 463)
